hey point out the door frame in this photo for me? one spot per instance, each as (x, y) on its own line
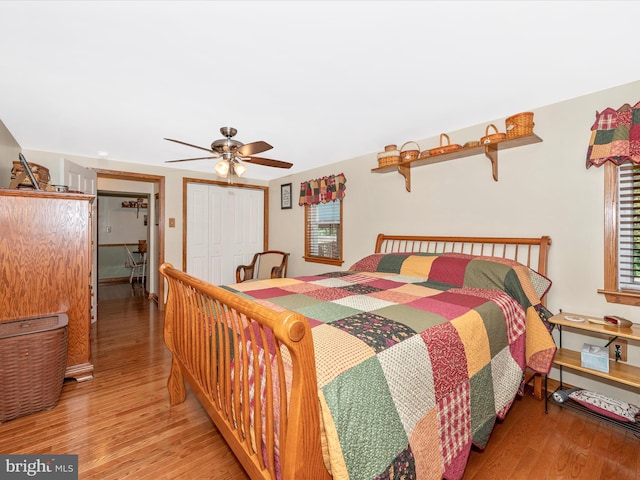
(160, 181)
(265, 216)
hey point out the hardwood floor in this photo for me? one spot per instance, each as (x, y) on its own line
(120, 423)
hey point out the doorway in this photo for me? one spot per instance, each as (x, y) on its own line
(155, 249)
(124, 226)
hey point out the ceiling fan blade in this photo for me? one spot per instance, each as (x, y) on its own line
(254, 147)
(189, 159)
(190, 145)
(268, 162)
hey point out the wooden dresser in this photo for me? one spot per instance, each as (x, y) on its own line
(45, 265)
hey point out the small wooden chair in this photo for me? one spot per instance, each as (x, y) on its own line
(268, 264)
(138, 268)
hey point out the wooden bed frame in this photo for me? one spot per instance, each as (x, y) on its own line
(200, 321)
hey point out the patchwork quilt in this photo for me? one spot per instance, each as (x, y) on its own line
(417, 355)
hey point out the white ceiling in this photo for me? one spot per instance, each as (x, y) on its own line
(320, 81)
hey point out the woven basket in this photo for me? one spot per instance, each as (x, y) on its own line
(444, 148)
(40, 173)
(520, 125)
(33, 355)
(389, 157)
(409, 154)
(492, 137)
(471, 144)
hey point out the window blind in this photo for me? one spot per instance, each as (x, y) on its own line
(323, 230)
(629, 227)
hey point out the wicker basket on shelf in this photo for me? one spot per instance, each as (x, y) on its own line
(409, 154)
(492, 137)
(444, 148)
(520, 125)
(390, 156)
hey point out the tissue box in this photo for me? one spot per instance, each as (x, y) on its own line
(594, 357)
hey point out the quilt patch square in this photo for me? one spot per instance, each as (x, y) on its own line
(360, 289)
(371, 423)
(363, 303)
(409, 364)
(394, 296)
(302, 287)
(327, 311)
(378, 332)
(268, 293)
(337, 352)
(432, 305)
(473, 336)
(329, 294)
(448, 358)
(450, 269)
(392, 263)
(294, 301)
(418, 265)
(383, 283)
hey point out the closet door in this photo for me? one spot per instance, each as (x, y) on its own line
(225, 227)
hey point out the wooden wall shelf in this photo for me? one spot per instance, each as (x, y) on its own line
(490, 150)
(141, 206)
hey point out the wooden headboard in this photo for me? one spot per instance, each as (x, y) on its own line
(532, 252)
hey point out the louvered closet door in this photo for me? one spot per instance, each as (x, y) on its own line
(225, 227)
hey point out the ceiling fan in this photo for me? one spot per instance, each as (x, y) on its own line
(233, 154)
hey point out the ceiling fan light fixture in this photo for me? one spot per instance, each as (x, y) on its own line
(239, 168)
(222, 168)
(231, 154)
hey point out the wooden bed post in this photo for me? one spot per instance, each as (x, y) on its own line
(175, 383)
(302, 458)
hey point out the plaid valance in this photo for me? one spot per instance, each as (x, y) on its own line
(322, 190)
(615, 136)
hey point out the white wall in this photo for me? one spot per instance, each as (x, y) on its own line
(126, 225)
(542, 189)
(9, 150)
(118, 225)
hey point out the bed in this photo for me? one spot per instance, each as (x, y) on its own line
(393, 368)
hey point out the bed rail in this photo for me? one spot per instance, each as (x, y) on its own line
(267, 411)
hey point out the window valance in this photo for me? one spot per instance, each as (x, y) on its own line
(322, 190)
(615, 136)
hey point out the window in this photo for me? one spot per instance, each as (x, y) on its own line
(622, 234)
(323, 233)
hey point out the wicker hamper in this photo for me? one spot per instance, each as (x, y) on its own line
(33, 359)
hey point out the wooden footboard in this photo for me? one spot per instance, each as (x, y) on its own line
(267, 412)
